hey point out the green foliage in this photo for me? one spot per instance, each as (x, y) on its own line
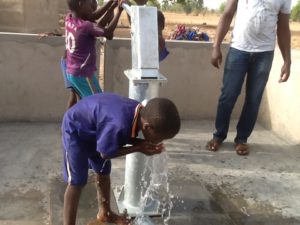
(222, 7)
(100, 2)
(181, 2)
(165, 6)
(178, 8)
(187, 6)
(191, 5)
(153, 3)
(295, 14)
(197, 4)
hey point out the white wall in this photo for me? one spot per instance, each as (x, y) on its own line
(32, 87)
(280, 109)
(193, 84)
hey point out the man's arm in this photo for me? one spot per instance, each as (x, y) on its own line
(222, 29)
(284, 43)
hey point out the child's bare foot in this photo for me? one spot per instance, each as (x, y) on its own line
(96, 222)
(112, 217)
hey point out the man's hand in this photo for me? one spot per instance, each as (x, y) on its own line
(285, 72)
(148, 148)
(216, 57)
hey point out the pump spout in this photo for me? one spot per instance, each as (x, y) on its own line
(144, 83)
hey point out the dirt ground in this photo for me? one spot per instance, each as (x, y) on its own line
(205, 22)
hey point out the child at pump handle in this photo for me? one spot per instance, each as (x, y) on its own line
(105, 126)
(81, 33)
(107, 10)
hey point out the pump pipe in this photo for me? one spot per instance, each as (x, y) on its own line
(144, 82)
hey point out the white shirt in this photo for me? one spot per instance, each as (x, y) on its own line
(256, 24)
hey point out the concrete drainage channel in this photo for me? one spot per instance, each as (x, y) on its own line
(194, 203)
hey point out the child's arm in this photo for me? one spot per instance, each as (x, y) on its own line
(141, 146)
(98, 13)
(109, 30)
(108, 17)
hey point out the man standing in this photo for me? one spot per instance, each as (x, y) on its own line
(257, 24)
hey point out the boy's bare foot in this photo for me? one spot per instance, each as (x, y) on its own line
(111, 217)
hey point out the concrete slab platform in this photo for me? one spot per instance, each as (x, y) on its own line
(88, 205)
(29, 156)
(209, 188)
(199, 207)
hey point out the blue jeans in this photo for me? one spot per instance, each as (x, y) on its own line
(257, 66)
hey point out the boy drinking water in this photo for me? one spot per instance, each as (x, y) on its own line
(97, 129)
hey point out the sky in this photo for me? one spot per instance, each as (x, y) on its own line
(215, 4)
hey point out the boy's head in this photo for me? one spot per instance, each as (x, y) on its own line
(160, 20)
(141, 2)
(82, 8)
(160, 120)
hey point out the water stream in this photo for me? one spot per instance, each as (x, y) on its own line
(155, 188)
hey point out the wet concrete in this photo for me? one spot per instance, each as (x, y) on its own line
(192, 208)
(209, 188)
(88, 206)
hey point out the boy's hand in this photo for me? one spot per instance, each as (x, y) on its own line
(148, 148)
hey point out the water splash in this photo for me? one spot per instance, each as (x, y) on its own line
(156, 188)
(142, 220)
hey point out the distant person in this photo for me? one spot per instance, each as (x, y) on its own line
(162, 50)
(81, 33)
(251, 53)
(97, 129)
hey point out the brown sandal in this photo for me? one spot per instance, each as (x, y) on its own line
(242, 149)
(213, 145)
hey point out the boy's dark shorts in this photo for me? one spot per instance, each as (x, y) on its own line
(79, 157)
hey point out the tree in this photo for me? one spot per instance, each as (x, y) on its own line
(165, 5)
(187, 7)
(222, 7)
(190, 5)
(197, 4)
(153, 3)
(295, 14)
